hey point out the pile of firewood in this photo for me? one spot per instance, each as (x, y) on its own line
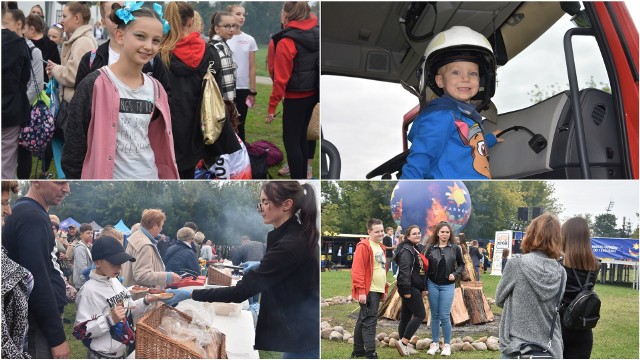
(469, 305)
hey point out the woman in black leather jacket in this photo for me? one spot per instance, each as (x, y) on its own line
(578, 256)
(412, 273)
(445, 265)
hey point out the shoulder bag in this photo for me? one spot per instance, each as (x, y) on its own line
(538, 351)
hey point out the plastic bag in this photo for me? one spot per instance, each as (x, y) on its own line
(202, 313)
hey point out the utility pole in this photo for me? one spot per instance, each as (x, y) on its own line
(610, 207)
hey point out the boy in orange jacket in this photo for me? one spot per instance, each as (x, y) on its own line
(369, 286)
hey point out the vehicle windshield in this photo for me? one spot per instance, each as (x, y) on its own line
(363, 118)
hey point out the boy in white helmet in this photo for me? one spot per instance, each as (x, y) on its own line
(447, 139)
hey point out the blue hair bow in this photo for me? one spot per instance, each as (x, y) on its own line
(125, 13)
(165, 24)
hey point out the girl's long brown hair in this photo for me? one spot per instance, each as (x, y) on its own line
(577, 245)
(544, 235)
(177, 14)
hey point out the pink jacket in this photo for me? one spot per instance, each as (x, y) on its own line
(103, 129)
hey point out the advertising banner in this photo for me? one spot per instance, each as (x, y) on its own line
(502, 241)
(615, 249)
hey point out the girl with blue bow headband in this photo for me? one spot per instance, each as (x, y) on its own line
(119, 123)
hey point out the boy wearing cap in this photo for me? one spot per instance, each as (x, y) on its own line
(105, 310)
(447, 138)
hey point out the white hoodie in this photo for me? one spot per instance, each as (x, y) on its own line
(95, 300)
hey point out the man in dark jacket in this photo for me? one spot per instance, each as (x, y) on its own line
(388, 242)
(250, 250)
(163, 245)
(16, 72)
(180, 257)
(476, 257)
(29, 241)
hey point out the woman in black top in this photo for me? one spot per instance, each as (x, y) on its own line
(578, 256)
(287, 277)
(412, 273)
(445, 265)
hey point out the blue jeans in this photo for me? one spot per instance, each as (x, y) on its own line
(310, 354)
(440, 301)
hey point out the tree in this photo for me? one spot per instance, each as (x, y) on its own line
(262, 17)
(539, 94)
(348, 205)
(588, 217)
(223, 211)
(636, 232)
(605, 225)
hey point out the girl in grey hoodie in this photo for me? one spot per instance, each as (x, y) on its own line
(528, 290)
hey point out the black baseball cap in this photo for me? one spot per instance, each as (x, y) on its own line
(110, 249)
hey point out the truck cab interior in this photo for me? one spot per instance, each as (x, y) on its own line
(574, 134)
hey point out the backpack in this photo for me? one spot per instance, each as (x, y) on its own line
(274, 154)
(36, 134)
(259, 169)
(584, 311)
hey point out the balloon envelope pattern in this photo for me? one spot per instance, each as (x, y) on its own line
(426, 203)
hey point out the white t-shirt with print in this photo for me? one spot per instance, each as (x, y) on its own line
(134, 157)
(241, 45)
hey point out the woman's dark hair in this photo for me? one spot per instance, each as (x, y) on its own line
(35, 21)
(505, 253)
(142, 12)
(304, 200)
(434, 237)
(216, 18)
(297, 10)
(82, 8)
(408, 231)
(544, 235)
(576, 238)
(177, 15)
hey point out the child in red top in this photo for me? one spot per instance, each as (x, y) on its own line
(293, 58)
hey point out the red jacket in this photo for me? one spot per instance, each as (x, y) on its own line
(280, 65)
(362, 269)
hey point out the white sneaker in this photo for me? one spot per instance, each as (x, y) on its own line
(433, 348)
(446, 350)
(411, 350)
(402, 348)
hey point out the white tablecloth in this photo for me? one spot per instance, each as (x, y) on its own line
(239, 330)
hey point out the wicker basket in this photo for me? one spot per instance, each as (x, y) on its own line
(153, 344)
(217, 277)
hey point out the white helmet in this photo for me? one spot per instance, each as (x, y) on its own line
(459, 43)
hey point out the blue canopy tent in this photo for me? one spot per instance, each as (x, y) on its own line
(123, 228)
(64, 224)
(120, 226)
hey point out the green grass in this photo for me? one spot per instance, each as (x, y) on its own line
(615, 336)
(255, 128)
(261, 61)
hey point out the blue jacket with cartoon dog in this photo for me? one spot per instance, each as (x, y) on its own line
(447, 143)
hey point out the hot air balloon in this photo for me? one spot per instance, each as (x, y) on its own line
(426, 203)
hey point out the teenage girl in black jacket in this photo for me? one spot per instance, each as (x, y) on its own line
(287, 277)
(187, 58)
(412, 273)
(578, 256)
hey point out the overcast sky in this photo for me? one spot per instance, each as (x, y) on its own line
(363, 118)
(593, 196)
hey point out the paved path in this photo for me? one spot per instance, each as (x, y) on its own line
(264, 80)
